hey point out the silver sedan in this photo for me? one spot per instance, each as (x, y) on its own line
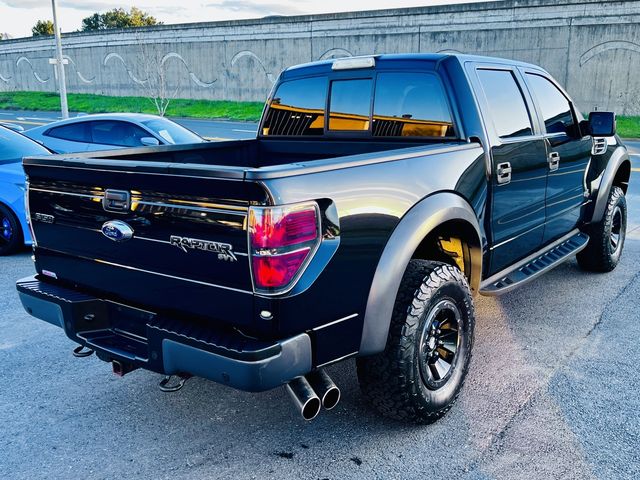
(110, 131)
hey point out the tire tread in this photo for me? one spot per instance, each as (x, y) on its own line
(386, 378)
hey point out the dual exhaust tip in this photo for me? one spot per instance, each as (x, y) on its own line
(312, 392)
(309, 393)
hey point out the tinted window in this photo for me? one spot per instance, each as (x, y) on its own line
(555, 107)
(506, 103)
(74, 132)
(171, 132)
(410, 104)
(122, 134)
(14, 146)
(297, 108)
(350, 105)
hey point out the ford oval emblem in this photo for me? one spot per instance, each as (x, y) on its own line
(117, 231)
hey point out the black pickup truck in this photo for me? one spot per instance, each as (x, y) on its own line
(380, 195)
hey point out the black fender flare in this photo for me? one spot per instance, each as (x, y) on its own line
(619, 156)
(414, 226)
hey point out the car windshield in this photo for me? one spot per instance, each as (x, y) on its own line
(171, 132)
(14, 146)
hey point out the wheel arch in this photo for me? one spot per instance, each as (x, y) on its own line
(443, 215)
(617, 173)
(24, 229)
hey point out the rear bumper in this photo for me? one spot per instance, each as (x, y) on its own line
(143, 339)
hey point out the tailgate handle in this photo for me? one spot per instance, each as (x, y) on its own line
(116, 201)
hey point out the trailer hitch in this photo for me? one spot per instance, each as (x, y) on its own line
(81, 351)
(166, 384)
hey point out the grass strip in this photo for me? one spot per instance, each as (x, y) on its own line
(88, 103)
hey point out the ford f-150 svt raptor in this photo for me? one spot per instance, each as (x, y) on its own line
(380, 194)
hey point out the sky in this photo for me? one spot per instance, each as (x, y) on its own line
(18, 16)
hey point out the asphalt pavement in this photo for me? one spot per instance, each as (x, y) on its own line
(552, 393)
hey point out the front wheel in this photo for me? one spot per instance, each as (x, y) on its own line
(10, 232)
(423, 367)
(606, 238)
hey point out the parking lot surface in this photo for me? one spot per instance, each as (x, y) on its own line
(552, 393)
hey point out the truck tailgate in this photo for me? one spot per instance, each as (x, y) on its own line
(187, 250)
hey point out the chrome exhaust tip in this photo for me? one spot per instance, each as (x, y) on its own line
(324, 387)
(304, 398)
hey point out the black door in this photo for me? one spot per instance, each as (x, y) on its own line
(519, 168)
(568, 156)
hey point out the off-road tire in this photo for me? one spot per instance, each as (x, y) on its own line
(392, 381)
(15, 241)
(600, 255)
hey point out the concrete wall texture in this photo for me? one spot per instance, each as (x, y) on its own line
(591, 47)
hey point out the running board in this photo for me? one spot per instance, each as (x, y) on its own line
(534, 265)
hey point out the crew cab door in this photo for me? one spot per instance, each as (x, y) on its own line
(568, 155)
(518, 165)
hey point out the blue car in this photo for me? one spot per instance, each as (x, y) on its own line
(14, 230)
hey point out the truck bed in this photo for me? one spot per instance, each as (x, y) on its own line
(222, 157)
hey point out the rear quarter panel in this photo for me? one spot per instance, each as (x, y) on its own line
(370, 201)
(12, 195)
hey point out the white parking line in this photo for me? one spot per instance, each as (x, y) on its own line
(25, 122)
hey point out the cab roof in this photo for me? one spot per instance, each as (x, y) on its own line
(403, 60)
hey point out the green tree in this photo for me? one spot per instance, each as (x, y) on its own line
(118, 18)
(42, 27)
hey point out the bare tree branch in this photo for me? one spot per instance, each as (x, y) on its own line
(151, 62)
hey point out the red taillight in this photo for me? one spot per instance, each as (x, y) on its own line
(281, 240)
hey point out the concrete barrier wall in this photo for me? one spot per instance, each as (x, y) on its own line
(592, 47)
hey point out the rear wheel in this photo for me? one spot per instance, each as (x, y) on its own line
(423, 367)
(606, 238)
(10, 232)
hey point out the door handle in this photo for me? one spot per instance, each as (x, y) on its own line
(503, 171)
(554, 161)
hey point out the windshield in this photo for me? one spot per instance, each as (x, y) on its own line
(171, 132)
(14, 146)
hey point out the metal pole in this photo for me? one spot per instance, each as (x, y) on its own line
(60, 65)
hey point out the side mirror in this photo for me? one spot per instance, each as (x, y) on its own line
(602, 124)
(150, 141)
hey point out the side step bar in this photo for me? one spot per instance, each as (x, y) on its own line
(534, 265)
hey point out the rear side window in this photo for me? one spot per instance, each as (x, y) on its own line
(121, 134)
(555, 107)
(506, 103)
(75, 132)
(411, 105)
(297, 108)
(350, 105)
